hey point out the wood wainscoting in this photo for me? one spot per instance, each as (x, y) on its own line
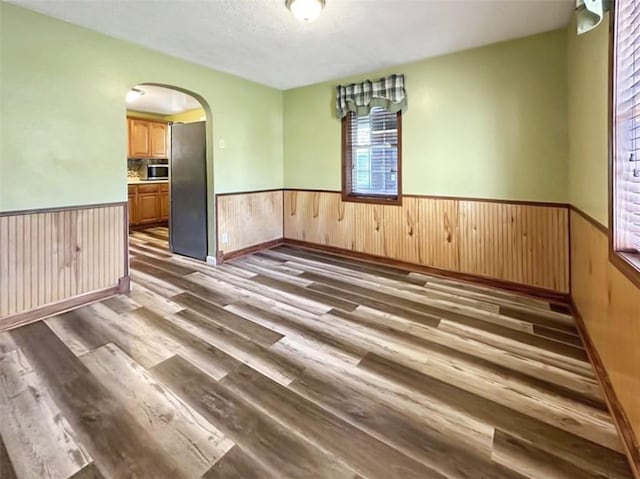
(511, 242)
(262, 210)
(608, 307)
(56, 259)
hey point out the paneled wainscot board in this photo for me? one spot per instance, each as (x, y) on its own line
(260, 210)
(52, 260)
(521, 243)
(609, 305)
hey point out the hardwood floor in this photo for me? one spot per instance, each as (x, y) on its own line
(295, 364)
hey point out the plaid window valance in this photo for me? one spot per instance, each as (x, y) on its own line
(388, 93)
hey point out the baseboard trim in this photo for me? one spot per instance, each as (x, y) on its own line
(620, 419)
(222, 256)
(124, 285)
(43, 312)
(546, 294)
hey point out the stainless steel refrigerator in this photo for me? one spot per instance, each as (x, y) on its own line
(188, 216)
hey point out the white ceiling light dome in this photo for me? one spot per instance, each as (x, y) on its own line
(133, 95)
(305, 10)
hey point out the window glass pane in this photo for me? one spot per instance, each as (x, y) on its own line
(627, 127)
(375, 153)
(363, 181)
(362, 159)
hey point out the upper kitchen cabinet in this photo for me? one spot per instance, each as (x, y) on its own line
(147, 139)
(139, 138)
(159, 140)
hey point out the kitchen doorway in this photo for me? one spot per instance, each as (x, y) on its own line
(167, 173)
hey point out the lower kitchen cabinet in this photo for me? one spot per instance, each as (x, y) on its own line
(133, 211)
(148, 208)
(164, 205)
(148, 203)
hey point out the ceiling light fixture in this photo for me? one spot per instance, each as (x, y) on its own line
(134, 94)
(305, 10)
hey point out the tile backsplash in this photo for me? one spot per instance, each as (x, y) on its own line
(137, 167)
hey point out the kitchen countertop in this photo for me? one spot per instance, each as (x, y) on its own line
(145, 182)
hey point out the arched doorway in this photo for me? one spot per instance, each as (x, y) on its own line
(170, 167)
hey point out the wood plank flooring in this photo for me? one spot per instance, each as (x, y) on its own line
(295, 364)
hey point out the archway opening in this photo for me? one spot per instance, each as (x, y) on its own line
(170, 169)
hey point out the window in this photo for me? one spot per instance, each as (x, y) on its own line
(625, 147)
(371, 149)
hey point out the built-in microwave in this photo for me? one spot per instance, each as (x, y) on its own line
(158, 172)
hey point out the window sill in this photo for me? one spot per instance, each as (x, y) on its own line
(378, 200)
(628, 264)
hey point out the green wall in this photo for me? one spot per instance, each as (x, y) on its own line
(62, 98)
(588, 60)
(489, 122)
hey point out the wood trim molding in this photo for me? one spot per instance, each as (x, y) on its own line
(345, 157)
(590, 219)
(550, 204)
(457, 198)
(549, 295)
(125, 238)
(63, 208)
(313, 190)
(610, 112)
(221, 256)
(268, 190)
(627, 263)
(620, 419)
(373, 199)
(216, 229)
(27, 317)
(124, 285)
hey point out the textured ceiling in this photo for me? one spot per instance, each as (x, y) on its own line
(163, 101)
(260, 40)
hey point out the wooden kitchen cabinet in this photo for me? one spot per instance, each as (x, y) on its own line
(159, 137)
(132, 208)
(164, 201)
(139, 138)
(148, 208)
(147, 139)
(148, 203)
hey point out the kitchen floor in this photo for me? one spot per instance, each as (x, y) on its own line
(295, 364)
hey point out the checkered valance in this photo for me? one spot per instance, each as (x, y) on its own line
(359, 98)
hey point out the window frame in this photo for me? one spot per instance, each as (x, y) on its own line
(628, 263)
(347, 162)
